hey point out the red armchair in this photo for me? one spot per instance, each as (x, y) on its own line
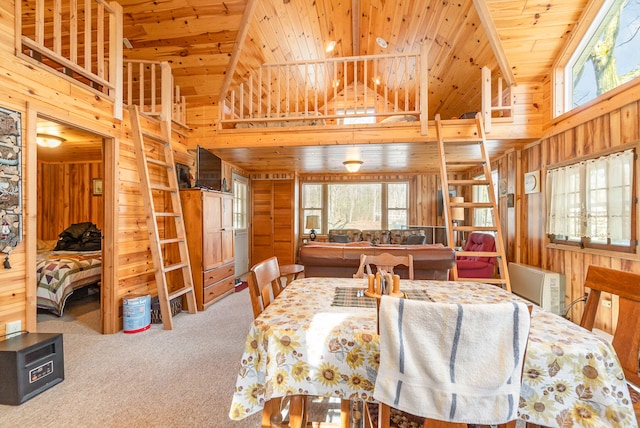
(477, 267)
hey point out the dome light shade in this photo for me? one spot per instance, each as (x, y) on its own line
(50, 141)
(352, 165)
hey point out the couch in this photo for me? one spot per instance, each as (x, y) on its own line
(374, 236)
(342, 260)
(478, 267)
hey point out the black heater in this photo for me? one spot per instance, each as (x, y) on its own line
(30, 364)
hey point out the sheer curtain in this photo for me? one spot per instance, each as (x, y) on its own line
(592, 199)
(608, 191)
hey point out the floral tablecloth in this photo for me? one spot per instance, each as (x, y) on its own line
(307, 343)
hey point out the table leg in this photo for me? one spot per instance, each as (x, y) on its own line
(271, 408)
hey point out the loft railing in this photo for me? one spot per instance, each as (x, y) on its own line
(80, 39)
(150, 85)
(330, 91)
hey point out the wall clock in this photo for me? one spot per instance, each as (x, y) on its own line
(532, 182)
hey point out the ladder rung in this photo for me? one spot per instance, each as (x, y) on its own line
(179, 292)
(167, 214)
(475, 228)
(469, 182)
(154, 137)
(162, 188)
(462, 141)
(160, 163)
(477, 254)
(466, 162)
(175, 266)
(471, 204)
(171, 241)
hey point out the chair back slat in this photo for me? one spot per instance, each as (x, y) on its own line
(626, 337)
(264, 281)
(384, 261)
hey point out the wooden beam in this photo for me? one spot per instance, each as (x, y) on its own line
(494, 41)
(237, 48)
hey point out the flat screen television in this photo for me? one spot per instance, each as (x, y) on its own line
(209, 170)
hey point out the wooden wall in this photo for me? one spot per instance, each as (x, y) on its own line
(65, 196)
(34, 92)
(602, 125)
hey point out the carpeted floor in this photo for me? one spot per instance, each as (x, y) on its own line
(156, 378)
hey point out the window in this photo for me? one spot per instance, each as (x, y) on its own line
(590, 203)
(240, 193)
(350, 119)
(355, 205)
(607, 56)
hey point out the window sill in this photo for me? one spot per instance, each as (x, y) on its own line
(615, 254)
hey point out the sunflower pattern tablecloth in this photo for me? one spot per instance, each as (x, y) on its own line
(307, 343)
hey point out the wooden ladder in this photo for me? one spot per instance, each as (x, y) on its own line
(156, 153)
(472, 156)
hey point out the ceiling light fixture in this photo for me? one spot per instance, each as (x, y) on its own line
(352, 165)
(330, 46)
(381, 42)
(376, 80)
(335, 83)
(50, 141)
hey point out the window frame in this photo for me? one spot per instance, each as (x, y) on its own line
(323, 210)
(585, 242)
(562, 70)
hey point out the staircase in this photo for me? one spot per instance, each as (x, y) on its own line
(167, 235)
(470, 152)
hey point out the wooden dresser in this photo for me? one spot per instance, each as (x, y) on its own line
(208, 218)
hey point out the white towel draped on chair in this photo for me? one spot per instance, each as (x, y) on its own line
(452, 362)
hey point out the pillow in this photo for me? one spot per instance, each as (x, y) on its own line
(344, 239)
(416, 239)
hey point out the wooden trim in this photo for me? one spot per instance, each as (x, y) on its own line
(494, 41)
(30, 217)
(237, 49)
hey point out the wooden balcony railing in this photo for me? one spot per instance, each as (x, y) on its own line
(80, 39)
(150, 85)
(329, 91)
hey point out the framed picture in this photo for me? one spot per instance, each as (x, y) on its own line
(97, 186)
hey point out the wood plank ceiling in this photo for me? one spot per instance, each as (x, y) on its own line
(206, 39)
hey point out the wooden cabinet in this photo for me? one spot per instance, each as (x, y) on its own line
(273, 220)
(208, 218)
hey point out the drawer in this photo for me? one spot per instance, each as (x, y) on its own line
(217, 290)
(218, 274)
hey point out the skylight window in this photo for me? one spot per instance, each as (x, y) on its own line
(357, 117)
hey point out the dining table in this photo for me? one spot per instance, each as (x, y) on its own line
(319, 338)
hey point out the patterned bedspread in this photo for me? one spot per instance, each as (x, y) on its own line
(59, 273)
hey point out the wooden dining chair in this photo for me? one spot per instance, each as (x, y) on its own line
(384, 261)
(404, 325)
(626, 336)
(264, 281)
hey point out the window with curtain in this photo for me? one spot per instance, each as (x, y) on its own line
(591, 203)
(483, 216)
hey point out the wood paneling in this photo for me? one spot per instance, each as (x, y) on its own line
(603, 126)
(65, 197)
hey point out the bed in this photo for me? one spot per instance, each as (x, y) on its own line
(60, 273)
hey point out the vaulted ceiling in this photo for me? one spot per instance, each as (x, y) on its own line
(213, 45)
(206, 39)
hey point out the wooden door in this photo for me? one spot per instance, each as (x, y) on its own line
(211, 230)
(283, 218)
(261, 220)
(227, 238)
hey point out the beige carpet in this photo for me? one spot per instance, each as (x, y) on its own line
(157, 378)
